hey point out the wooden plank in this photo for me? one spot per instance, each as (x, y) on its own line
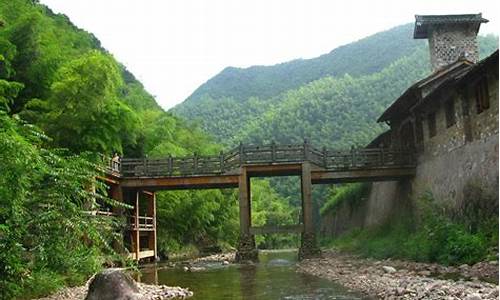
(178, 183)
(142, 254)
(137, 236)
(274, 169)
(381, 174)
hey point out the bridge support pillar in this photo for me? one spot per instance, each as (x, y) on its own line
(246, 246)
(308, 244)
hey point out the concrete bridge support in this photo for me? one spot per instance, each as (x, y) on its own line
(246, 245)
(308, 244)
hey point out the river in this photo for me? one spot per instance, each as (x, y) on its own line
(274, 277)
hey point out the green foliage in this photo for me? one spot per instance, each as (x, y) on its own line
(8, 91)
(84, 103)
(433, 237)
(352, 194)
(198, 217)
(43, 228)
(270, 209)
(74, 88)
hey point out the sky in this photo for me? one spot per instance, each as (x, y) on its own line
(174, 46)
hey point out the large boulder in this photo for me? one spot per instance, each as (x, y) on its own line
(113, 284)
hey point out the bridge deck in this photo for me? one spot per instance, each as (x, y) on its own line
(222, 171)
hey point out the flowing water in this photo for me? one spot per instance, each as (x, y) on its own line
(274, 277)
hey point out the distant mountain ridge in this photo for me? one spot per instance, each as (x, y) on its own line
(369, 55)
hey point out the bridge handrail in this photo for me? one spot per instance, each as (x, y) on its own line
(355, 158)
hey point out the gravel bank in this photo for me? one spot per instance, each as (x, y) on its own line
(393, 279)
(148, 292)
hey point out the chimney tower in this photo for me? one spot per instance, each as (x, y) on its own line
(450, 37)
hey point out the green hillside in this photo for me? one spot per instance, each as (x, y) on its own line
(333, 99)
(365, 56)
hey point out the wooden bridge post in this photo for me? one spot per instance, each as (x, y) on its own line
(195, 163)
(221, 161)
(136, 234)
(152, 235)
(170, 165)
(246, 246)
(309, 247)
(382, 156)
(241, 154)
(306, 149)
(273, 151)
(325, 157)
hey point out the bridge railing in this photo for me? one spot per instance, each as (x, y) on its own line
(266, 154)
(367, 158)
(143, 223)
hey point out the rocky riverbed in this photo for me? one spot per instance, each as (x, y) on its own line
(199, 263)
(394, 279)
(147, 292)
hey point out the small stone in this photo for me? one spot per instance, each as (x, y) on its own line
(474, 296)
(388, 269)
(185, 269)
(493, 294)
(225, 262)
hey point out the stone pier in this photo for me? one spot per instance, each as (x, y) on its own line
(246, 245)
(308, 244)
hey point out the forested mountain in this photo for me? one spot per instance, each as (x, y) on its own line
(366, 56)
(333, 99)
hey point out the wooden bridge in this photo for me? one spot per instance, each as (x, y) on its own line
(234, 169)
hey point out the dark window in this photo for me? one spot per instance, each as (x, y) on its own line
(450, 113)
(431, 121)
(482, 95)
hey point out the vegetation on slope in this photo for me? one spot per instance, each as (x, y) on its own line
(60, 90)
(46, 240)
(431, 235)
(349, 193)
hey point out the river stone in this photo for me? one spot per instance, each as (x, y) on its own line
(113, 284)
(388, 269)
(474, 296)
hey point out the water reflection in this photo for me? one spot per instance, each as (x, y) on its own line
(274, 277)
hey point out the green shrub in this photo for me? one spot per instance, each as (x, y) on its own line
(350, 193)
(46, 240)
(434, 237)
